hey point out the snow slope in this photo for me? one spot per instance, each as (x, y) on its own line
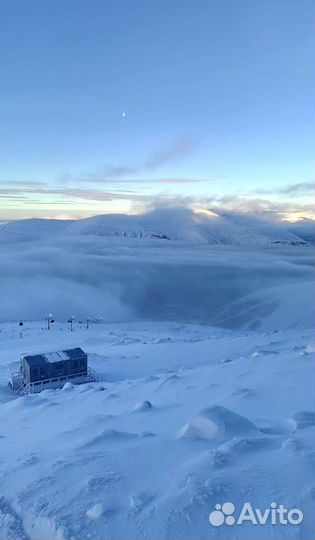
(231, 419)
(304, 228)
(283, 307)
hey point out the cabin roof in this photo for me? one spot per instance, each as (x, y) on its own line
(75, 353)
(38, 360)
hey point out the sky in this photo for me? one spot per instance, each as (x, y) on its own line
(119, 105)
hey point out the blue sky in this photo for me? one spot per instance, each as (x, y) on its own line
(110, 106)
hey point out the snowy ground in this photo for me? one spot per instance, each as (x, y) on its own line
(95, 461)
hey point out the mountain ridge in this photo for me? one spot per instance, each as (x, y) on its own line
(180, 225)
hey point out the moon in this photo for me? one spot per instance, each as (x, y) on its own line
(123, 114)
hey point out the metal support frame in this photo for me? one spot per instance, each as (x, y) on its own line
(22, 387)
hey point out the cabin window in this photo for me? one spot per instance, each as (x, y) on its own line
(75, 364)
(42, 372)
(35, 373)
(82, 363)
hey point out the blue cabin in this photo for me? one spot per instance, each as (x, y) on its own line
(51, 370)
(62, 364)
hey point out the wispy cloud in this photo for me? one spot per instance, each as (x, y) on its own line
(87, 197)
(263, 207)
(22, 183)
(298, 189)
(104, 179)
(168, 154)
(60, 195)
(90, 194)
(116, 173)
(178, 150)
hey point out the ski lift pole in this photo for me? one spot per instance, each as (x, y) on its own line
(49, 320)
(71, 323)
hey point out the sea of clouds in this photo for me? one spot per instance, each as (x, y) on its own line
(123, 279)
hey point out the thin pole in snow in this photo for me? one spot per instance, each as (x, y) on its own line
(71, 323)
(49, 320)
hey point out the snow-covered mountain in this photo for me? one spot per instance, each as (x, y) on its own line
(304, 228)
(179, 225)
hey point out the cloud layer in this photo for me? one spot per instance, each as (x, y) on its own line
(124, 279)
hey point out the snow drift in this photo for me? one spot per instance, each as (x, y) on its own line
(96, 461)
(217, 423)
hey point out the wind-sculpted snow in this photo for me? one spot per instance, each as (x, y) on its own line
(185, 417)
(217, 423)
